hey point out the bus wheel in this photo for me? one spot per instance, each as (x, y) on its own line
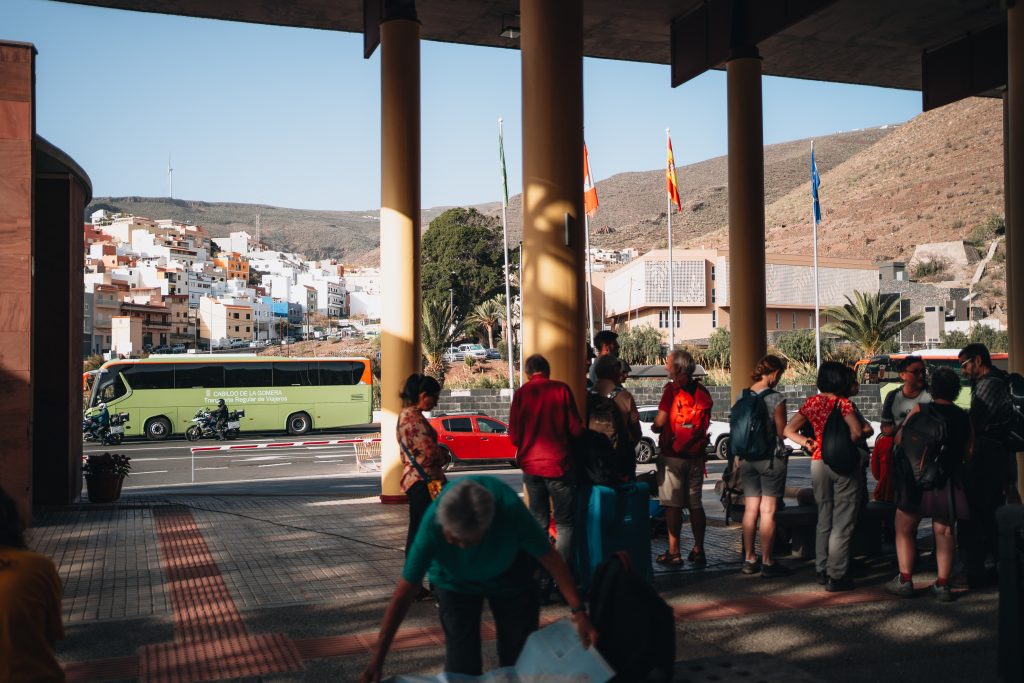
(158, 428)
(299, 424)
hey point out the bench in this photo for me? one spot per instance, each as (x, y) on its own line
(799, 523)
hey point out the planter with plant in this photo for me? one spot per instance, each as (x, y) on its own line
(104, 475)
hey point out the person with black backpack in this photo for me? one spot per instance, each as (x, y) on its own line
(932, 445)
(756, 422)
(613, 427)
(991, 477)
(835, 471)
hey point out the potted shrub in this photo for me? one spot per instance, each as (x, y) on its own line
(104, 475)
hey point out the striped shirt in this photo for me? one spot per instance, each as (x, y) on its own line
(991, 406)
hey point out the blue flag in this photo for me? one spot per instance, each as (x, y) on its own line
(815, 183)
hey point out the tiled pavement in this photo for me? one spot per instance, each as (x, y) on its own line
(207, 564)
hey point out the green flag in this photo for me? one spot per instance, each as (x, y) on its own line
(504, 175)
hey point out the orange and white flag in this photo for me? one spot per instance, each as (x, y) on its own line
(670, 179)
(589, 189)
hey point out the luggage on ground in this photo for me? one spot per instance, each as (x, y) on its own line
(637, 627)
(610, 520)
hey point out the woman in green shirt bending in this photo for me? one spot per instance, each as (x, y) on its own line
(475, 543)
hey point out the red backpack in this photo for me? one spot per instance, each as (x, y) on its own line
(688, 420)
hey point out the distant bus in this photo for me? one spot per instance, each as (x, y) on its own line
(883, 369)
(162, 394)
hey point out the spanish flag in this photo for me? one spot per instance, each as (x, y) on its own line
(670, 179)
(589, 189)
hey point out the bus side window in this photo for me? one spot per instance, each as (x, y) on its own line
(340, 373)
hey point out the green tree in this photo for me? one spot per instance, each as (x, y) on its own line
(799, 345)
(488, 315)
(462, 259)
(641, 345)
(995, 340)
(868, 321)
(440, 331)
(719, 350)
(954, 339)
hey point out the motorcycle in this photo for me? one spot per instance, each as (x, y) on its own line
(111, 435)
(204, 426)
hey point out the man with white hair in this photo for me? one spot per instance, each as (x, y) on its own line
(477, 540)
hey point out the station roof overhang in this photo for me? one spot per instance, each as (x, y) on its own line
(948, 49)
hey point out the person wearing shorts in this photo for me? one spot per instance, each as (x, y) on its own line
(764, 481)
(681, 465)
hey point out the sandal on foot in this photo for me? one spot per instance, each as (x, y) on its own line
(670, 559)
(697, 558)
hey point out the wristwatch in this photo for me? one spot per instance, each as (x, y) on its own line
(576, 610)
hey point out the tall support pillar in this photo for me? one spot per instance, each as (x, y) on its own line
(747, 321)
(1013, 132)
(553, 278)
(401, 314)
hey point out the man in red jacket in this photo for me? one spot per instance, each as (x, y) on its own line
(543, 421)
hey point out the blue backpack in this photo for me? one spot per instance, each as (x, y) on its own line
(751, 436)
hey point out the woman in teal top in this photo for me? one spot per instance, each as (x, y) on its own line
(475, 543)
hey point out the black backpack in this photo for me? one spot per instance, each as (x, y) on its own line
(637, 627)
(751, 434)
(605, 456)
(837, 450)
(919, 456)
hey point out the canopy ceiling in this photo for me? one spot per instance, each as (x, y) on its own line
(869, 42)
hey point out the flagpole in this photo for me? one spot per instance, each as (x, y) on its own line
(522, 314)
(508, 289)
(590, 279)
(817, 306)
(671, 287)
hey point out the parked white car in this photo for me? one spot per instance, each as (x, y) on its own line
(473, 351)
(719, 433)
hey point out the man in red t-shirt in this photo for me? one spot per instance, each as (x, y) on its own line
(684, 414)
(543, 421)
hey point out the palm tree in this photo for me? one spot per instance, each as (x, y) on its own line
(488, 315)
(440, 330)
(868, 321)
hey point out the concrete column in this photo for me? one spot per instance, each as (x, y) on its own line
(553, 279)
(746, 215)
(1013, 130)
(401, 314)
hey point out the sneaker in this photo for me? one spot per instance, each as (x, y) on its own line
(750, 567)
(942, 593)
(836, 585)
(904, 589)
(774, 571)
(697, 558)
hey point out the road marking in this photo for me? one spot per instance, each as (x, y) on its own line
(258, 458)
(276, 464)
(152, 472)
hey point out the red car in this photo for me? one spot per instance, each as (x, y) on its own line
(473, 438)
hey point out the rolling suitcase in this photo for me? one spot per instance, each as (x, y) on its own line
(610, 520)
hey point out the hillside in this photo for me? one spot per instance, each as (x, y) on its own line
(632, 205)
(937, 177)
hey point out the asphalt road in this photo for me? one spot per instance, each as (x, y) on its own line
(322, 469)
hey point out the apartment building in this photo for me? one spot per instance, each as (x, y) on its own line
(234, 264)
(638, 293)
(221, 321)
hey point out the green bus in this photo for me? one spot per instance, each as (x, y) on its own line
(161, 394)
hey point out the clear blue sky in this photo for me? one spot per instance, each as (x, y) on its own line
(290, 117)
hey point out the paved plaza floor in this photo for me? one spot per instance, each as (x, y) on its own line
(182, 587)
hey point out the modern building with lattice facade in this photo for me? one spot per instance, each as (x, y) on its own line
(638, 293)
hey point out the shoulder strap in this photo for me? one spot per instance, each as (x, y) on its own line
(412, 460)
